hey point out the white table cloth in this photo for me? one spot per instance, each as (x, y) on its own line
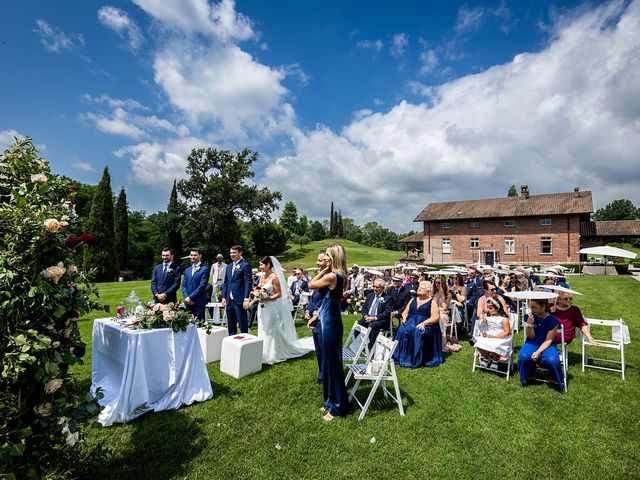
(146, 370)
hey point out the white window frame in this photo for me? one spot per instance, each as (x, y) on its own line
(546, 239)
(475, 240)
(509, 245)
(446, 245)
(545, 222)
(474, 224)
(509, 223)
(446, 225)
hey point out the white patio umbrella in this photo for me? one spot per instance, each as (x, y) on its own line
(559, 288)
(374, 272)
(607, 251)
(527, 295)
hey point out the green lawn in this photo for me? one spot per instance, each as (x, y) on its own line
(458, 424)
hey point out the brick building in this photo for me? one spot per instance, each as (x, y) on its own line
(512, 230)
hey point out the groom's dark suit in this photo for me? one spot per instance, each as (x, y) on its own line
(194, 286)
(235, 289)
(166, 281)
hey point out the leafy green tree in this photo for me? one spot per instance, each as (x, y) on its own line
(289, 219)
(512, 191)
(351, 230)
(332, 223)
(102, 255)
(375, 235)
(317, 231)
(269, 238)
(146, 240)
(340, 226)
(216, 195)
(335, 224)
(622, 209)
(122, 230)
(303, 226)
(173, 230)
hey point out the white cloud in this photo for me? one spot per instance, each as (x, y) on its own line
(120, 22)
(428, 61)
(371, 44)
(8, 137)
(84, 166)
(378, 101)
(469, 19)
(399, 44)
(56, 41)
(566, 116)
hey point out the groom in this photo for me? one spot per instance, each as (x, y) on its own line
(235, 291)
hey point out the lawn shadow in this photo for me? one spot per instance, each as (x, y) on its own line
(379, 403)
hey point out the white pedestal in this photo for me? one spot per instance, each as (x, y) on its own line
(211, 343)
(241, 355)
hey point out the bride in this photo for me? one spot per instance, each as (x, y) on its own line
(275, 324)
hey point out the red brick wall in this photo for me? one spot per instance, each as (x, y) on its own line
(564, 232)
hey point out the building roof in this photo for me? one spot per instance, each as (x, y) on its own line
(611, 228)
(534, 205)
(415, 238)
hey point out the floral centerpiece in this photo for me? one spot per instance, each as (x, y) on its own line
(355, 303)
(258, 295)
(161, 315)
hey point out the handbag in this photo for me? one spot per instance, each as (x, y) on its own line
(376, 364)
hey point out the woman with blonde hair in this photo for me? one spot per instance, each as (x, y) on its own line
(330, 282)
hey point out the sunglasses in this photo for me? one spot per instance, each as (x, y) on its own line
(568, 299)
(492, 289)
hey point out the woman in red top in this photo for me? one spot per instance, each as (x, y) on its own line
(570, 317)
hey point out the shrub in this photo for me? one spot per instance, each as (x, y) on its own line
(42, 296)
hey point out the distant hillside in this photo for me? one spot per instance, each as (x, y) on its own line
(294, 256)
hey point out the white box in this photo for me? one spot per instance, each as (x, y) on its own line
(241, 355)
(211, 343)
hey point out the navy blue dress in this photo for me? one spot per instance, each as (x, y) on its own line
(418, 348)
(336, 401)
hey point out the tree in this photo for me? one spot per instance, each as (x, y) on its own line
(122, 230)
(512, 191)
(146, 239)
(340, 226)
(332, 224)
(621, 209)
(351, 230)
(303, 226)
(375, 235)
(216, 196)
(317, 231)
(269, 238)
(102, 254)
(289, 219)
(335, 225)
(173, 237)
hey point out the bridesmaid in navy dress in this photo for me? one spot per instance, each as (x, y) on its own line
(419, 336)
(336, 401)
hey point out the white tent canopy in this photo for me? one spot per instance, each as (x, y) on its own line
(607, 251)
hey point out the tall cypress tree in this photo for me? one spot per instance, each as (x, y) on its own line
(102, 254)
(340, 228)
(332, 225)
(335, 224)
(122, 230)
(174, 223)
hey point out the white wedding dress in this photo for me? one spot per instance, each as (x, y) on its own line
(277, 330)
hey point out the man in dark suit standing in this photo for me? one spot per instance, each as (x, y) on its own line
(376, 311)
(165, 279)
(400, 295)
(194, 286)
(235, 291)
(299, 285)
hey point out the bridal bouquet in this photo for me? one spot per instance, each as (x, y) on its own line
(259, 295)
(159, 315)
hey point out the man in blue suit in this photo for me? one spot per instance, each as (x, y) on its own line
(299, 285)
(376, 311)
(235, 291)
(165, 279)
(194, 285)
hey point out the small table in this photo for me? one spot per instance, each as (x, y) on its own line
(146, 370)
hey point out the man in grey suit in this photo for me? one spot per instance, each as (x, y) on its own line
(218, 271)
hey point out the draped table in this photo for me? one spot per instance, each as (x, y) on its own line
(146, 370)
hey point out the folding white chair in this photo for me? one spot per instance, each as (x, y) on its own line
(378, 369)
(508, 362)
(219, 316)
(617, 342)
(356, 347)
(302, 305)
(564, 362)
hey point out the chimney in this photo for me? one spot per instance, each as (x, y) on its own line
(576, 192)
(524, 192)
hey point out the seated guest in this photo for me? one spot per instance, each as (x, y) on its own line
(548, 281)
(298, 286)
(399, 295)
(503, 287)
(458, 294)
(413, 283)
(570, 317)
(419, 337)
(493, 335)
(376, 311)
(490, 291)
(539, 347)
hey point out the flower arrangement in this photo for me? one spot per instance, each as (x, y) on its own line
(161, 315)
(259, 295)
(355, 303)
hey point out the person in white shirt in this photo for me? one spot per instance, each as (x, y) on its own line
(218, 271)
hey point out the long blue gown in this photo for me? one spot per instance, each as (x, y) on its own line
(336, 400)
(418, 348)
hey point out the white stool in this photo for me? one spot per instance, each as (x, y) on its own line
(241, 355)
(211, 343)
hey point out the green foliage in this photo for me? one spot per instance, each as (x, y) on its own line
(512, 191)
(375, 235)
(216, 195)
(289, 219)
(317, 230)
(122, 230)
(145, 242)
(303, 226)
(173, 224)
(622, 209)
(269, 238)
(351, 230)
(102, 256)
(42, 296)
(332, 223)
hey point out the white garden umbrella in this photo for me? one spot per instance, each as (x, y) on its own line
(607, 251)
(527, 295)
(559, 288)
(374, 272)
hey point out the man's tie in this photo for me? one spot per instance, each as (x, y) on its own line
(373, 311)
(164, 268)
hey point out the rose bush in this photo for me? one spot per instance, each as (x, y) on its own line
(42, 296)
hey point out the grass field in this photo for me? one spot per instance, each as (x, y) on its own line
(458, 424)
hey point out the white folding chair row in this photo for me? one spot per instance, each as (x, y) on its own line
(379, 369)
(508, 362)
(617, 342)
(356, 347)
(219, 317)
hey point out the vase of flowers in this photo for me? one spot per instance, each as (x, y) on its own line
(161, 315)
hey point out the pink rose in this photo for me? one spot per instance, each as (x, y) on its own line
(52, 385)
(72, 269)
(44, 409)
(157, 307)
(164, 307)
(52, 224)
(54, 272)
(168, 315)
(39, 178)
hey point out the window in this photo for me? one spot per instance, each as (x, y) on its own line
(545, 245)
(446, 245)
(545, 222)
(510, 245)
(509, 223)
(446, 225)
(474, 224)
(475, 242)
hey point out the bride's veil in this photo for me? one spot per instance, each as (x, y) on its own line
(285, 298)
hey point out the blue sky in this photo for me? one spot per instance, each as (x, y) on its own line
(381, 107)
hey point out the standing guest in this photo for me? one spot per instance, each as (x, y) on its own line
(570, 317)
(312, 315)
(165, 279)
(400, 296)
(474, 292)
(194, 285)
(539, 346)
(458, 295)
(332, 277)
(235, 291)
(376, 311)
(218, 271)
